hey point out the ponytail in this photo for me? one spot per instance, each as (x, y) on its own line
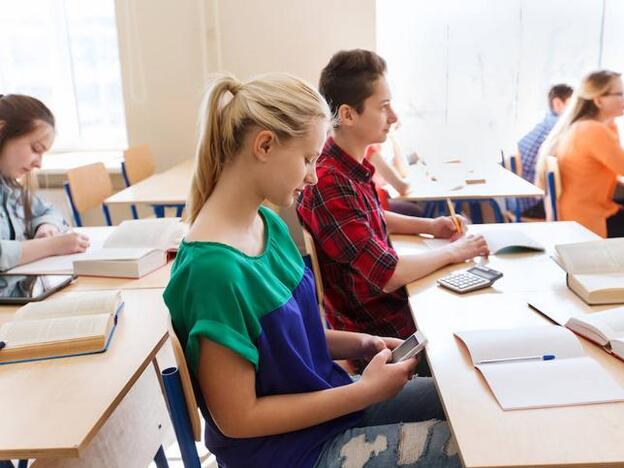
(281, 103)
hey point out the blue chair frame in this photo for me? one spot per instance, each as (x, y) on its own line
(552, 194)
(159, 210)
(180, 417)
(76, 214)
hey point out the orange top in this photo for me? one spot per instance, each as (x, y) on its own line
(590, 159)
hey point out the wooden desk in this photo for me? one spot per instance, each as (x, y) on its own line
(156, 279)
(527, 271)
(589, 435)
(54, 408)
(170, 187)
(450, 183)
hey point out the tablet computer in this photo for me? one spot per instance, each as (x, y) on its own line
(20, 289)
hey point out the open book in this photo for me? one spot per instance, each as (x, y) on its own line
(538, 367)
(604, 328)
(132, 249)
(69, 326)
(499, 241)
(595, 269)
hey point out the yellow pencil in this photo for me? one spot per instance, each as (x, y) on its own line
(454, 215)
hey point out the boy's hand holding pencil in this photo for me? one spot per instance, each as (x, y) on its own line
(450, 227)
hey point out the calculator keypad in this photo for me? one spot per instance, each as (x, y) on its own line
(464, 282)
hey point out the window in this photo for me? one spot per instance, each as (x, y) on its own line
(65, 53)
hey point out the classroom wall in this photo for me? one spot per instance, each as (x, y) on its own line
(169, 49)
(470, 78)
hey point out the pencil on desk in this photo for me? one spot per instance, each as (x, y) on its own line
(454, 215)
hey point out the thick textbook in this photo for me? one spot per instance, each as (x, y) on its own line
(120, 253)
(594, 269)
(537, 367)
(68, 326)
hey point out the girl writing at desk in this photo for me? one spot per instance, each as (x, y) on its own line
(244, 305)
(30, 228)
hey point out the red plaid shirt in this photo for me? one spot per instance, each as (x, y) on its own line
(356, 258)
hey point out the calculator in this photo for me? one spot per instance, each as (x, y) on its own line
(474, 278)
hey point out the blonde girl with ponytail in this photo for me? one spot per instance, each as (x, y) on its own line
(587, 146)
(243, 302)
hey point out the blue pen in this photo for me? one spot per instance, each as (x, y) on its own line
(545, 357)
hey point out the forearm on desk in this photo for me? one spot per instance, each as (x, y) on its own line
(402, 224)
(411, 267)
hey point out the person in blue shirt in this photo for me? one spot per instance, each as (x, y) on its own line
(529, 145)
(30, 228)
(243, 304)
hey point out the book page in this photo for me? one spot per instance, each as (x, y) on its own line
(617, 346)
(600, 281)
(159, 233)
(497, 240)
(603, 256)
(561, 382)
(608, 324)
(520, 342)
(90, 303)
(24, 333)
(118, 253)
(60, 264)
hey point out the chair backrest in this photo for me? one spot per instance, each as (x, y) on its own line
(512, 162)
(87, 187)
(310, 247)
(553, 188)
(138, 164)
(187, 385)
(90, 185)
(182, 405)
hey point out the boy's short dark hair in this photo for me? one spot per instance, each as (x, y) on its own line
(561, 91)
(348, 78)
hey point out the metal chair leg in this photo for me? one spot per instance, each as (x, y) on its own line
(160, 459)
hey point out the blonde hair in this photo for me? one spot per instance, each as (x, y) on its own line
(280, 103)
(581, 107)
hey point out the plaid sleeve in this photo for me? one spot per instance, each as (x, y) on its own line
(338, 222)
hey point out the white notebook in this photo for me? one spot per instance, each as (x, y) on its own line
(571, 378)
(499, 241)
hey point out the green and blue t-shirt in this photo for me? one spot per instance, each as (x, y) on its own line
(264, 309)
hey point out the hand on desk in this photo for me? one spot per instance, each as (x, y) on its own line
(468, 247)
(68, 243)
(445, 227)
(46, 230)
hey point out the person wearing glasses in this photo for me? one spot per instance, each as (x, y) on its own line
(590, 156)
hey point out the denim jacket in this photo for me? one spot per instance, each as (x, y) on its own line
(13, 228)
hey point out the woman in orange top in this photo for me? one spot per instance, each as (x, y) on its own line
(587, 146)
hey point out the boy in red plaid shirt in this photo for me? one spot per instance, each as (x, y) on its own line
(363, 277)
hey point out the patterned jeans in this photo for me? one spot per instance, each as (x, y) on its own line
(407, 431)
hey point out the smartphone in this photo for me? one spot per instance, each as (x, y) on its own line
(412, 345)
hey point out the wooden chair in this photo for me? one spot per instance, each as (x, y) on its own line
(182, 405)
(512, 163)
(139, 164)
(553, 189)
(310, 247)
(87, 187)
